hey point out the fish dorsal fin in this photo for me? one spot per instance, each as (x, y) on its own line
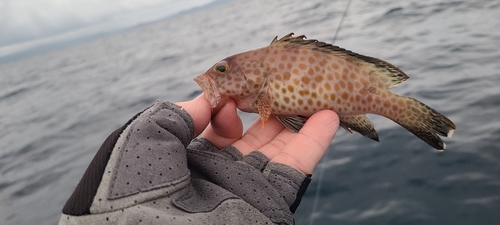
(387, 73)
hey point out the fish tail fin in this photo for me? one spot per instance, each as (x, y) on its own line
(424, 122)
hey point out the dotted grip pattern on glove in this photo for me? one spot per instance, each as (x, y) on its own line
(274, 189)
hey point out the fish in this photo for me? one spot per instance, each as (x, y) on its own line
(294, 77)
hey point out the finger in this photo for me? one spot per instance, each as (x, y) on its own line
(225, 127)
(256, 136)
(275, 146)
(306, 148)
(200, 110)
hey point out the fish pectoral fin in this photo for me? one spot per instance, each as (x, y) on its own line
(293, 123)
(360, 124)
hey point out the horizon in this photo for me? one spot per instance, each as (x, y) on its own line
(105, 24)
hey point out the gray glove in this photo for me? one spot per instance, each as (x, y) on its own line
(145, 172)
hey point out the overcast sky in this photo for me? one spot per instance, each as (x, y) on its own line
(28, 23)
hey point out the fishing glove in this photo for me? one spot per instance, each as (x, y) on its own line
(151, 171)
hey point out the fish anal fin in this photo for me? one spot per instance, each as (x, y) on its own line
(360, 124)
(293, 123)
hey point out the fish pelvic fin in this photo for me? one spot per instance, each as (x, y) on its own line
(425, 123)
(360, 124)
(264, 108)
(293, 123)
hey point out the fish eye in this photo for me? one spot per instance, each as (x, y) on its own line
(222, 68)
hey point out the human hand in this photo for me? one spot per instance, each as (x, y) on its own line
(301, 150)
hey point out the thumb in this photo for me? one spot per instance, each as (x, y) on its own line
(200, 110)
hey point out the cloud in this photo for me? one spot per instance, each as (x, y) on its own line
(27, 20)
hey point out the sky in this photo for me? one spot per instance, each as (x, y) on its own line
(28, 24)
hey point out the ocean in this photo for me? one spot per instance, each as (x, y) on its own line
(57, 108)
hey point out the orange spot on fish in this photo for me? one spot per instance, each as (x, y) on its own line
(302, 66)
(323, 63)
(286, 75)
(310, 72)
(293, 58)
(303, 93)
(312, 60)
(342, 84)
(318, 78)
(344, 96)
(328, 87)
(306, 80)
(290, 88)
(387, 104)
(357, 85)
(335, 66)
(350, 86)
(336, 86)
(353, 76)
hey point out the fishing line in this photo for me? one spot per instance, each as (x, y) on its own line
(321, 168)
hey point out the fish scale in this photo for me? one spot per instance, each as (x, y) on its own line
(295, 77)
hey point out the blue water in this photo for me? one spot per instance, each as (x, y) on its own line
(57, 108)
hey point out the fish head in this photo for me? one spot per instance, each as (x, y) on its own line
(224, 79)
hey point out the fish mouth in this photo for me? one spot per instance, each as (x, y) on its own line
(208, 86)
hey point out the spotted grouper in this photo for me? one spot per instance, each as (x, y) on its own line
(295, 77)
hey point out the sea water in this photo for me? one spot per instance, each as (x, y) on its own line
(57, 108)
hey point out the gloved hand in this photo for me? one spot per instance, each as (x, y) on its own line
(152, 171)
(263, 166)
